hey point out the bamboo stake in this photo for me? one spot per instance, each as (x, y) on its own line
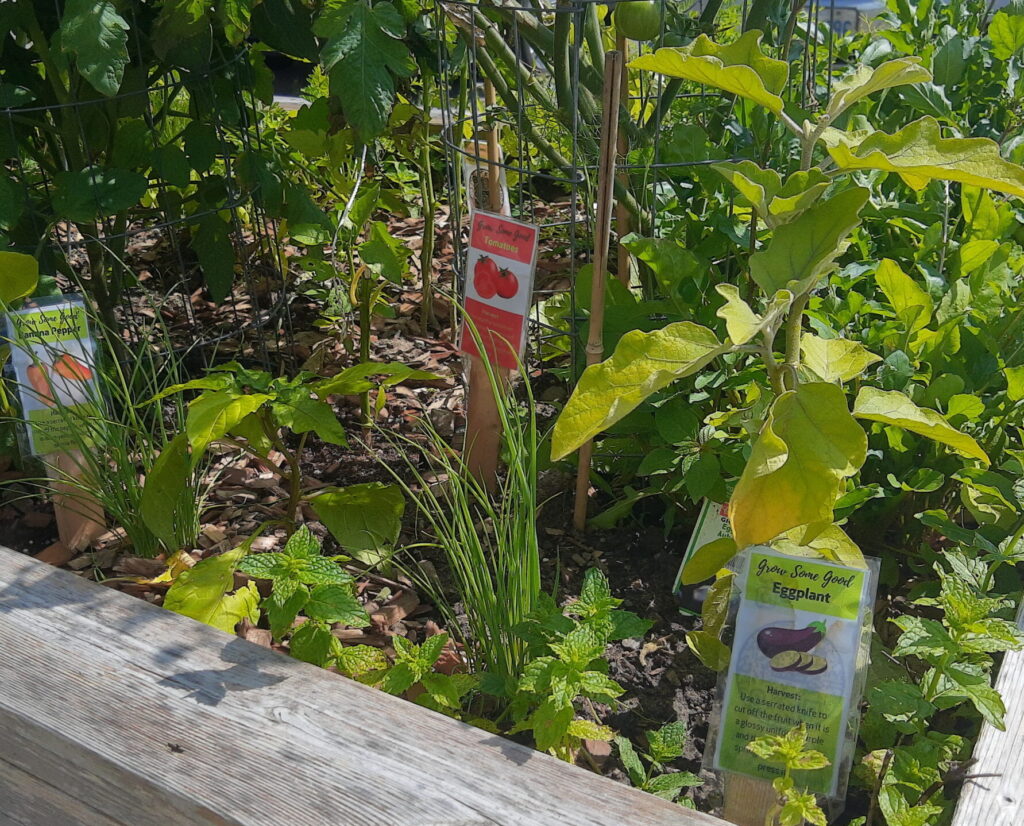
(602, 239)
(622, 221)
(483, 422)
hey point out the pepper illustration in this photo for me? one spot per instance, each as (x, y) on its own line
(40, 383)
(774, 640)
(68, 367)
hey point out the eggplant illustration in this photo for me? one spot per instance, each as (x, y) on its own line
(774, 640)
(799, 661)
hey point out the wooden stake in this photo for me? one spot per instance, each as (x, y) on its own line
(79, 515)
(747, 800)
(623, 225)
(602, 239)
(482, 447)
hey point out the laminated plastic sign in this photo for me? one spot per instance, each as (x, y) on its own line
(499, 287)
(712, 523)
(53, 359)
(799, 655)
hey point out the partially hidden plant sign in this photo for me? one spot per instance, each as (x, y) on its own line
(499, 287)
(712, 525)
(799, 655)
(53, 362)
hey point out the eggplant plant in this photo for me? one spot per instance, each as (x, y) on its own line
(811, 440)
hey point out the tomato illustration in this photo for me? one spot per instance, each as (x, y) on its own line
(486, 277)
(637, 19)
(507, 283)
(68, 367)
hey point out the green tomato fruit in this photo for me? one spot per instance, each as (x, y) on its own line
(637, 19)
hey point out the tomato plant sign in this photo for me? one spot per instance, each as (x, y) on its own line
(801, 644)
(499, 287)
(54, 365)
(712, 524)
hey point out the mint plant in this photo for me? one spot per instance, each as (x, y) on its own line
(566, 667)
(795, 806)
(663, 746)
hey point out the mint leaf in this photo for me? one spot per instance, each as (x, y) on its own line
(336, 603)
(283, 606)
(312, 643)
(631, 762)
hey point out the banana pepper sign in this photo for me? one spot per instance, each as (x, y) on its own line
(53, 359)
(499, 287)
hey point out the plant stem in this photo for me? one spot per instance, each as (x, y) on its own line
(794, 328)
(427, 196)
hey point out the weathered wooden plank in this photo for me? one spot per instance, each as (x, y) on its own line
(996, 797)
(123, 713)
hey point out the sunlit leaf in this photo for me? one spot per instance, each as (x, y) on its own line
(808, 446)
(739, 67)
(1006, 31)
(802, 251)
(894, 408)
(866, 80)
(642, 364)
(835, 359)
(912, 304)
(202, 593)
(741, 322)
(708, 560)
(919, 153)
(775, 202)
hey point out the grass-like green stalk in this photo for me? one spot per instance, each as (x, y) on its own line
(488, 541)
(119, 439)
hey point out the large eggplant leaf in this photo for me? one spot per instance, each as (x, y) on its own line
(774, 201)
(301, 413)
(202, 593)
(835, 359)
(808, 446)
(894, 408)
(642, 364)
(913, 306)
(19, 274)
(97, 36)
(741, 322)
(161, 506)
(1006, 31)
(740, 68)
(865, 80)
(800, 252)
(918, 153)
(363, 54)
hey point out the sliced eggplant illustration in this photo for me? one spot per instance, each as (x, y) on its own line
(818, 665)
(786, 661)
(773, 640)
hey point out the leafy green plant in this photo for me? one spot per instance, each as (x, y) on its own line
(566, 667)
(663, 746)
(795, 807)
(252, 411)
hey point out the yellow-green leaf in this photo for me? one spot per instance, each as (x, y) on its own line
(741, 322)
(894, 408)
(1014, 383)
(19, 274)
(202, 593)
(642, 364)
(808, 446)
(865, 80)
(913, 306)
(828, 541)
(739, 67)
(919, 153)
(835, 359)
(803, 250)
(213, 415)
(774, 201)
(708, 560)
(1006, 31)
(709, 649)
